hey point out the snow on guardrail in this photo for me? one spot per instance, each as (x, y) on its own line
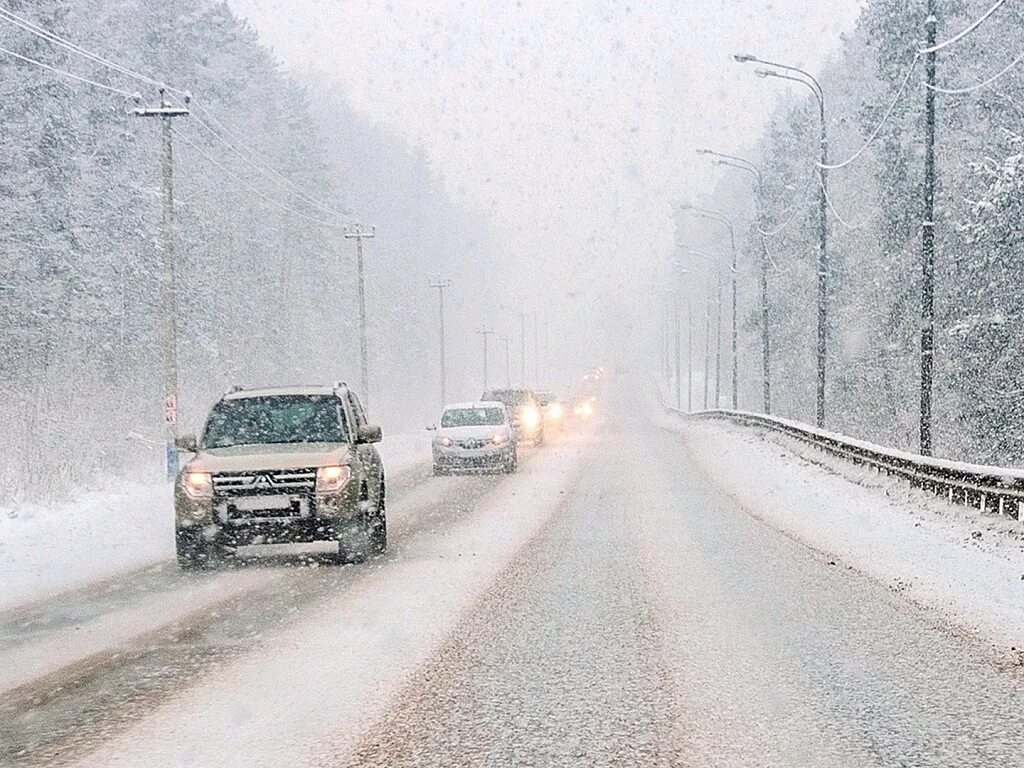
(991, 489)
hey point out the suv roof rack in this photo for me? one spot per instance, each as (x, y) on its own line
(340, 386)
(234, 388)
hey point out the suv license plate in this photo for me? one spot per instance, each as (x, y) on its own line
(256, 503)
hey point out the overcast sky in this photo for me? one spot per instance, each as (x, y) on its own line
(571, 125)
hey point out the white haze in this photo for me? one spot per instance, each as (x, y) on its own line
(569, 126)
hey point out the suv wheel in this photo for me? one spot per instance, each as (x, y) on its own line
(195, 552)
(371, 536)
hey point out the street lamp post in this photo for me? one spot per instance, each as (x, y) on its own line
(721, 218)
(680, 271)
(807, 80)
(715, 274)
(733, 161)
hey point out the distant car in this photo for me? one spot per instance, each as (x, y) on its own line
(552, 408)
(475, 436)
(583, 407)
(281, 465)
(524, 410)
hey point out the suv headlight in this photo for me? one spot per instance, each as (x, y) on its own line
(331, 479)
(444, 441)
(500, 437)
(198, 485)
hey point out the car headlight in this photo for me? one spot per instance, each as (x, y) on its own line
(531, 417)
(444, 441)
(198, 485)
(331, 479)
(500, 437)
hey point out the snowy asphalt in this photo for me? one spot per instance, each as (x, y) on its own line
(636, 616)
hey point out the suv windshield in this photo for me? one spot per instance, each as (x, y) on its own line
(472, 417)
(276, 419)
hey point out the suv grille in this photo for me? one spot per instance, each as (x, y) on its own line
(264, 482)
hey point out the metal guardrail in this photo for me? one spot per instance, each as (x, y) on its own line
(995, 490)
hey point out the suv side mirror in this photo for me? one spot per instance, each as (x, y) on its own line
(369, 433)
(187, 443)
(432, 428)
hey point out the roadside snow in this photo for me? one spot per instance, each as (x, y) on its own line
(48, 549)
(968, 566)
(45, 550)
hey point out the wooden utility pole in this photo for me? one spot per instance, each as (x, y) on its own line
(168, 279)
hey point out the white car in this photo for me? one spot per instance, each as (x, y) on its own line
(475, 436)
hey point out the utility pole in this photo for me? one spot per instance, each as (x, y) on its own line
(441, 285)
(485, 332)
(508, 361)
(357, 233)
(689, 348)
(675, 324)
(928, 240)
(168, 279)
(522, 349)
(707, 345)
(536, 351)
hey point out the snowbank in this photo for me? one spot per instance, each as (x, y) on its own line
(964, 564)
(45, 550)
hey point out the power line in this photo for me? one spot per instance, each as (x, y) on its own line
(978, 86)
(41, 32)
(71, 75)
(250, 187)
(835, 213)
(965, 32)
(247, 155)
(878, 128)
(795, 209)
(254, 161)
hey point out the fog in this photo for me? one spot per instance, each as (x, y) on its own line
(570, 127)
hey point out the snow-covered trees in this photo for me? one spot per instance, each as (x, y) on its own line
(874, 237)
(266, 290)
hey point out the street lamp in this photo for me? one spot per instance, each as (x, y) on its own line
(721, 218)
(680, 271)
(723, 159)
(717, 275)
(807, 80)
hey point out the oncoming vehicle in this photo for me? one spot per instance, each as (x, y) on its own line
(281, 465)
(524, 411)
(475, 436)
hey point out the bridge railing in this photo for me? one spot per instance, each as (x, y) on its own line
(996, 490)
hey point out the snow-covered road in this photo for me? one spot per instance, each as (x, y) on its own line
(609, 605)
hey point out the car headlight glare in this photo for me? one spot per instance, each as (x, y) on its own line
(531, 417)
(444, 441)
(333, 478)
(555, 410)
(500, 437)
(198, 485)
